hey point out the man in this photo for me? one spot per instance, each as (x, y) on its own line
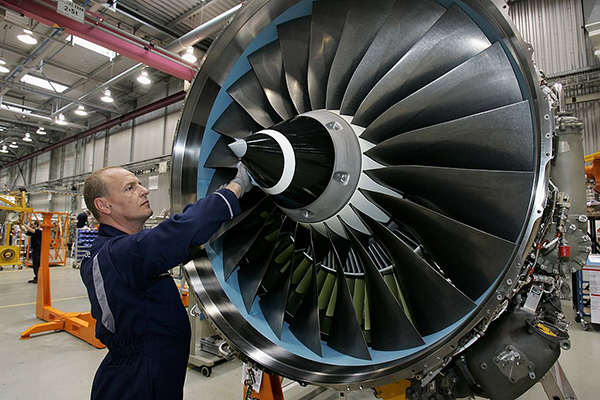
(35, 244)
(136, 304)
(82, 218)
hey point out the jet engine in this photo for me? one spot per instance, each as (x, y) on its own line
(418, 199)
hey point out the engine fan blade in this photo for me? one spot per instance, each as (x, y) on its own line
(485, 82)
(345, 333)
(472, 259)
(361, 26)
(221, 176)
(499, 139)
(434, 302)
(326, 28)
(235, 122)
(239, 239)
(252, 271)
(452, 40)
(504, 195)
(249, 94)
(390, 328)
(221, 156)
(267, 63)
(294, 39)
(410, 17)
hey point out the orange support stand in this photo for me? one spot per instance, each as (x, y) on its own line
(81, 325)
(270, 389)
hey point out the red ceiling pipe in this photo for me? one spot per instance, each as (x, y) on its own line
(167, 101)
(47, 16)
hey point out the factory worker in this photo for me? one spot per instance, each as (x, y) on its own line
(136, 304)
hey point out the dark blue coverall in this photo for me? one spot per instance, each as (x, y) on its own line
(139, 314)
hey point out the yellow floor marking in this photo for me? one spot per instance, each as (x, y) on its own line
(33, 302)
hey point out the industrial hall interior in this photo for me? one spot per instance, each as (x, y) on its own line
(299, 199)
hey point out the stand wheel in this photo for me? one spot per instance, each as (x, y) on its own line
(206, 371)
(577, 318)
(1, 268)
(585, 325)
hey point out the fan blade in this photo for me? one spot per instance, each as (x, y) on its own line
(251, 274)
(327, 23)
(410, 17)
(220, 177)
(453, 39)
(390, 328)
(249, 94)
(306, 325)
(499, 139)
(274, 302)
(235, 122)
(448, 190)
(259, 206)
(221, 155)
(239, 239)
(472, 259)
(345, 334)
(294, 39)
(485, 82)
(361, 26)
(434, 302)
(267, 63)
(341, 246)
(320, 245)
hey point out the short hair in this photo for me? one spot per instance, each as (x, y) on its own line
(36, 223)
(95, 187)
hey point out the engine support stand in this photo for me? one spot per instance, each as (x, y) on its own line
(556, 385)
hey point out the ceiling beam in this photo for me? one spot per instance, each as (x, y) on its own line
(108, 37)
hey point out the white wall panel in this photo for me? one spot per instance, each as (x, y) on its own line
(98, 154)
(119, 148)
(70, 158)
(172, 120)
(556, 31)
(40, 202)
(88, 155)
(148, 140)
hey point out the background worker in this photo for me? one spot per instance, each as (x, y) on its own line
(139, 313)
(83, 218)
(35, 244)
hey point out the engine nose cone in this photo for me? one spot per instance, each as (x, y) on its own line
(239, 147)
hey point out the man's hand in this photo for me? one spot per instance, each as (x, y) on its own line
(241, 183)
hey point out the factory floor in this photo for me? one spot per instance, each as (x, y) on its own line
(60, 366)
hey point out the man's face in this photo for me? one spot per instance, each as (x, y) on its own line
(127, 198)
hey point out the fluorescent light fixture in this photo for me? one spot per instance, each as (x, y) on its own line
(81, 111)
(27, 37)
(13, 145)
(107, 98)
(41, 131)
(143, 78)
(4, 149)
(92, 46)
(189, 55)
(43, 83)
(60, 120)
(15, 109)
(3, 69)
(27, 138)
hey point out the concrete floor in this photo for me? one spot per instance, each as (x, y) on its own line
(60, 366)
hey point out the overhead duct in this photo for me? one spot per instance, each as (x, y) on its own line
(401, 148)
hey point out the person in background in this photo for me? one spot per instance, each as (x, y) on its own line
(82, 218)
(35, 244)
(138, 309)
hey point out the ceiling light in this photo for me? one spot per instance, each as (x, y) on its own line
(81, 111)
(107, 97)
(143, 78)
(41, 131)
(92, 46)
(3, 69)
(27, 138)
(4, 149)
(44, 83)
(27, 37)
(189, 55)
(60, 120)
(14, 145)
